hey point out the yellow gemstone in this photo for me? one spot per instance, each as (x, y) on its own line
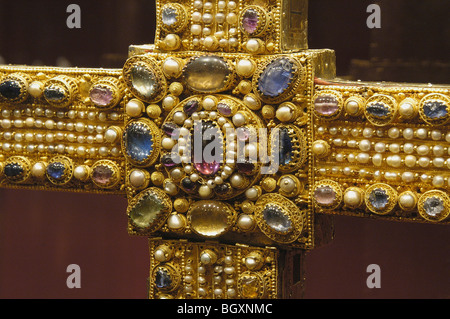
(250, 286)
(210, 218)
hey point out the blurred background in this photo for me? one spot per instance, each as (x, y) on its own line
(41, 233)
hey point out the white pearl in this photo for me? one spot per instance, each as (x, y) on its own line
(408, 177)
(196, 29)
(204, 191)
(38, 170)
(423, 150)
(175, 222)
(352, 198)
(408, 133)
(245, 67)
(380, 147)
(438, 162)
(239, 119)
(422, 133)
(232, 18)
(287, 185)
(393, 132)
(79, 127)
(80, 173)
(352, 108)
(424, 178)
(408, 148)
(368, 132)
(137, 178)
(351, 143)
(209, 103)
(252, 193)
(168, 143)
(394, 148)
(423, 162)
(377, 159)
(436, 135)
(339, 157)
(438, 150)
(390, 176)
(364, 145)
(236, 180)
(363, 158)
(36, 88)
(438, 181)
(406, 110)
(81, 150)
(407, 201)
(394, 161)
(284, 114)
(245, 222)
(410, 160)
(447, 137)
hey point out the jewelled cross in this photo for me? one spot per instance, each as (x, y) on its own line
(235, 80)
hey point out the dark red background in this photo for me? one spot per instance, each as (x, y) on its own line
(41, 233)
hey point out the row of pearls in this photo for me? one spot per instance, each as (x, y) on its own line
(393, 132)
(72, 114)
(52, 125)
(406, 177)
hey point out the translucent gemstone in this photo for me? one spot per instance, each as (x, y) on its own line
(10, 89)
(326, 105)
(56, 170)
(243, 134)
(207, 74)
(285, 150)
(189, 185)
(167, 160)
(433, 206)
(379, 198)
(378, 110)
(246, 168)
(101, 96)
(146, 211)
(250, 21)
(138, 141)
(250, 286)
(276, 77)
(169, 16)
(144, 81)
(54, 93)
(224, 109)
(102, 174)
(325, 195)
(435, 109)
(277, 219)
(210, 218)
(13, 170)
(206, 168)
(162, 279)
(170, 129)
(190, 107)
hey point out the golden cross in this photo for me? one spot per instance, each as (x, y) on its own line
(289, 145)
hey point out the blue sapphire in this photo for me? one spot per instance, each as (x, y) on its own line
(56, 170)
(378, 110)
(10, 89)
(285, 145)
(13, 170)
(435, 110)
(379, 198)
(138, 141)
(276, 77)
(162, 279)
(277, 219)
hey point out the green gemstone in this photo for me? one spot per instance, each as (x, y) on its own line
(146, 211)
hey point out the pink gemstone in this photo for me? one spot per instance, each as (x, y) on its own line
(326, 105)
(207, 168)
(250, 21)
(325, 195)
(243, 134)
(101, 96)
(102, 174)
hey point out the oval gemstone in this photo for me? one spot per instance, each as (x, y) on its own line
(378, 110)
(146, 211)
(210, 218)
(101, 96)
(190, 107)
(379, 198)
(435, 110)
(170, 129)
(168, 160)
(224, 109)
(326, 105)
(207, 159)
(144, 81)
(13, 170)
(56, 170)
(163, 279)
(189, 185)
(285, 150)
(10, 89)
(277, 219)
(54, 93)
(138, 141)
(250, 21)
(102, 174)
(207, 74)
(276, 77)
(433, 206)
(325, 195)
(169, 16)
